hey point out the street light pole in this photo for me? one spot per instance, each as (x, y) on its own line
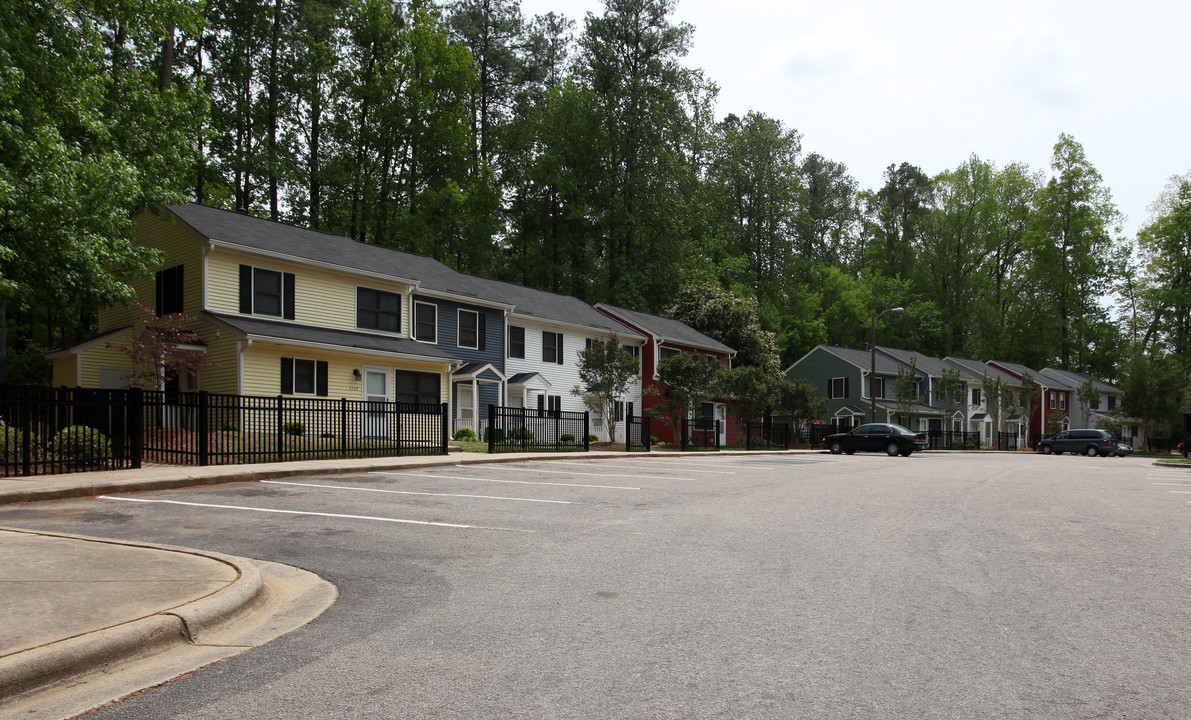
(872, 369)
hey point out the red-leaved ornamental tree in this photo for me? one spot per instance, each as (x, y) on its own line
(161, 348)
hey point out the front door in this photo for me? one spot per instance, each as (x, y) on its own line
(466, 407)
(376, 397)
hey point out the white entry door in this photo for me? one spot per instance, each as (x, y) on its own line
(376, 390)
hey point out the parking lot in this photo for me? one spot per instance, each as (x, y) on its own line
(940, 585)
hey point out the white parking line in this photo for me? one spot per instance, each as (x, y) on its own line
(410, 492)
(316, 514)
(607, 464)
(515, 482)
(700, 463)
(567, 472)
(1175, 484)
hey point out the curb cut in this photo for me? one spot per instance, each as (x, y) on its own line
(55, 664)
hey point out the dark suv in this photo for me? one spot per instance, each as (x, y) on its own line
(1080, 442)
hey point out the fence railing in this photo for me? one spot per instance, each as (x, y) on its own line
(513, 429)
(637, 433)
(700, 434)
(1007, 441)
(115, 429)
(767, 435)
(953, 440)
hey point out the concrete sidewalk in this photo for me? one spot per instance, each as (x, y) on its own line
(86, 621)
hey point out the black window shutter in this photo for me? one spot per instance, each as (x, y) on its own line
(482, 323)
(320, 378)
(160, 293)
(288, 292)
(246, 289)
(846, 388)
(287, 376)
(547, 337)
(559, 346)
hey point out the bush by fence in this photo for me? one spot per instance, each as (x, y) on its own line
(57, 430)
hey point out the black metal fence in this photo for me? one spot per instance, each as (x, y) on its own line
(767, 435)
(527, 430)
(637, 437)
(702, 433)
(1007, 441)
(953, 440)
(58, 430)
(50, 431)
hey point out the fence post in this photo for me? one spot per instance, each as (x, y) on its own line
(343, 427)
(683, 428)
(491, 428)
(445, 429)
(716, 430)
(204, 447)
(135, 407)
(525, 432)
(648, 436)
(748, 434)
(280, 432)
(587, 432)
(27, 440)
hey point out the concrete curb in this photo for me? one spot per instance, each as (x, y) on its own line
(57, 663)
(61, 487)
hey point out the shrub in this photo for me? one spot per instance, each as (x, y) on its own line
(230, 426)
(11, 440)
(593, 438)
(521, 435)
(567, 439)
(295, 428)
(465, 435)
(79, 442)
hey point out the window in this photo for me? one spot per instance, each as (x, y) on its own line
(469, 329)
(878, 387)
(266, 292)
(300, 376)
(668, 352)
(426, 322)
(618, 410)
(975, 396)
(1062, 401)
(378, 310)
(551, 347)
(1051, 400)
(1112, 402)
(633, 350)
(553, 403)
(169, 291)
(713, 361)
(418, 387)
(516, 342)
(588, 342)
(838, 388)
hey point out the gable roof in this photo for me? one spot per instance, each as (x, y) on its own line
(553, 307)
(668, 329)
(979, 370)
(862, 359)
(928, 364)
(1075, 379)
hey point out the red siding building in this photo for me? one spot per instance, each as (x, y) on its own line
(666, 337)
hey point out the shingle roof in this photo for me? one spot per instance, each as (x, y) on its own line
(979, 370)
(346, 339)
(928, 364)
(863, 359)
(337, 251)
(1075, 379)
(670, 329)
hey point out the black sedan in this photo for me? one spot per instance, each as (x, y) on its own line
(875, 437)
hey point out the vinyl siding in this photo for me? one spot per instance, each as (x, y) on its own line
(262, 370)
(101, 356)
(65, 371)
(818, 367)
(563, 377)
(321, 298)
(180, 247)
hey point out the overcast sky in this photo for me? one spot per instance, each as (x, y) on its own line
(870, 83)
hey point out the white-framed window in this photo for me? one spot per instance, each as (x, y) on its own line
(976, 396)
(1051, 400)
(668, 352)
(469, 329)
(266, 292)
(1062, 401)
(516, 342)
(878, 387)
(426, 322)
(303, 376)
(551, 347)
(837, 388)
(378, 309)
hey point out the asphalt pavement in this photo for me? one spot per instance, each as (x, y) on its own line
(86, 621)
